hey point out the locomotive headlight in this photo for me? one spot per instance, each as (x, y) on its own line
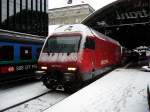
(72, 68)
(44, 68)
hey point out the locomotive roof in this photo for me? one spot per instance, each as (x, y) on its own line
(80, 28)
(100, 35)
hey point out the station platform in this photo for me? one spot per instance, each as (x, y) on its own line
(122, 90)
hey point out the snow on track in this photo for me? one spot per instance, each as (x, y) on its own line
(123, 90)
(16, 95)
(40, 104)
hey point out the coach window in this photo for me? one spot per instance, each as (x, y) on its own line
(38, 52)
(90, 43)
(6, 53)
(25, 53)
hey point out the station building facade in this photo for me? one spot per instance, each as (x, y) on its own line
(70, 14)
(24, 16)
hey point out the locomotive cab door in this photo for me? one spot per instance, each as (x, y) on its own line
(89, 57)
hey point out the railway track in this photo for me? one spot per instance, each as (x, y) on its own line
(46, 99)
(18, 104)
(15, 96)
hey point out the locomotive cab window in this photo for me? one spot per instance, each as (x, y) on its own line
(62, 44)
(6, 53)
(25, 53)
(90, 43)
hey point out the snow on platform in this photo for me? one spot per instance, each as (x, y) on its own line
(123, 90)
(20, 94)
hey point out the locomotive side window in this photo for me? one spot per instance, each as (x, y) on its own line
(25, 53)
(90, 43)
(6, 53)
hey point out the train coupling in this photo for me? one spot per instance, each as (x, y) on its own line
(39, 74)
(60, 87)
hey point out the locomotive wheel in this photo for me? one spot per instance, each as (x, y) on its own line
(49, 82)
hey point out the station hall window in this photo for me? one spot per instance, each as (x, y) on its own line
(6, 53)
(26, 53)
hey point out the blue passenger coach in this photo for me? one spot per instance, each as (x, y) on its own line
(19, 53)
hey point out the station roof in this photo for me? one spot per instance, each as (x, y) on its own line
(127, 21)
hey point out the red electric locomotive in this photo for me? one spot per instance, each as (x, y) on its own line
(76, 53)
